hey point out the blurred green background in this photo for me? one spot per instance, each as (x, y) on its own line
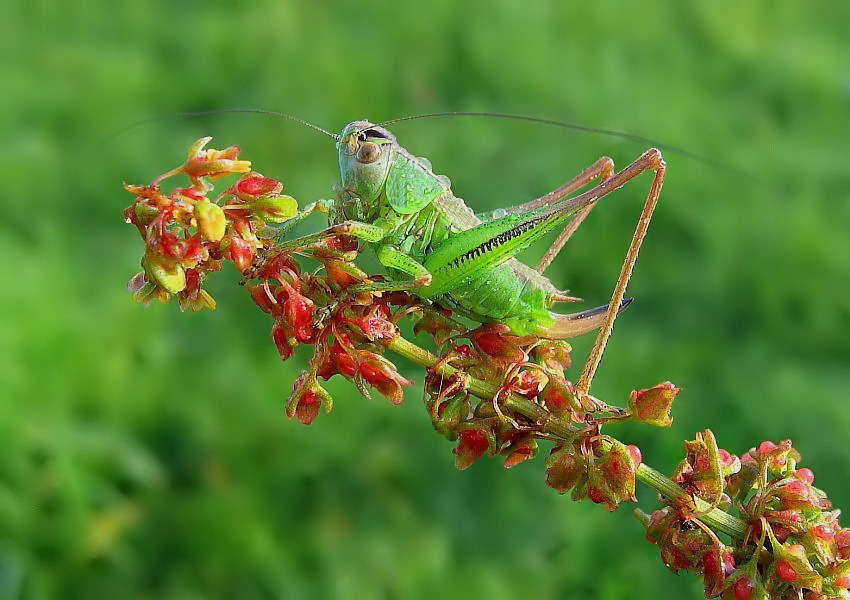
(146, 454)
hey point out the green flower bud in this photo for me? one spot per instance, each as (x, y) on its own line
(172, 280)
(211, 220)
(275, 209)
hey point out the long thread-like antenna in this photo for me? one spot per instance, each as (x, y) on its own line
(587, 129)
(200, 113)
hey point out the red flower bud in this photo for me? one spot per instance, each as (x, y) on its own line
(744, 588)
(254, 185)
(785, 571)
(805, 475)
(376, 324)
(241, 253)
(260, 295)
(213, 163)
(281, 340)
(493, 339)
(472, 443)
(635, 453)
(381, 374)
(299, 312)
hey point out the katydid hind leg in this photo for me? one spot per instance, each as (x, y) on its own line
(499, 239)
(651, 160)
(603, 169)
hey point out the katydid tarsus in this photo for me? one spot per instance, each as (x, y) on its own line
(435, 247)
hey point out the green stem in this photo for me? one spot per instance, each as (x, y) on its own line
(715, 518)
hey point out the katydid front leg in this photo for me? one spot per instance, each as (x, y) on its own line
(357, 229)
(393, 258)
(603, 169)
(388, 256)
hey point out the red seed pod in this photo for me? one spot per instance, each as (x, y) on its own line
(494, 340)
(522, 447)
(281, 340)
(785, 571)
(823, 532)
(382, 375)
(842, 543)
(566, 468)
(261, 296)
(472, 443)
(653, 405)
(171, 246)
(254, 185)
(744, 588)
(343, 362)
(805, 475)
(241, 253)
(635, 453)
(308, 407)
(194, 252)
(307, 398)
(299, 313)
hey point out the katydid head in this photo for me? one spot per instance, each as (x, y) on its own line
(366, 152)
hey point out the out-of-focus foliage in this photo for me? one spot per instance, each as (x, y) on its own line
(134, 467)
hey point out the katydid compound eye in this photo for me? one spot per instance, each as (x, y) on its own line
(368, 152)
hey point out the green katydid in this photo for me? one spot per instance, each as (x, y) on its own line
(434, 246)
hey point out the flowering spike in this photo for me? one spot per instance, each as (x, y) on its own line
(491, 390)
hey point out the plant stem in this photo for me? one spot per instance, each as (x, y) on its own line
(715, 518)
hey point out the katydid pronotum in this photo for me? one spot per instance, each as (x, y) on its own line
(435, 247)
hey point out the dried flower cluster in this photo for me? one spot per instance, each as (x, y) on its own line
(490, 391)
